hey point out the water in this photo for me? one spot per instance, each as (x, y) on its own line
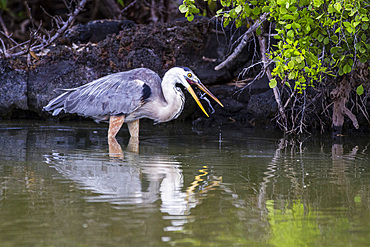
(60, 187)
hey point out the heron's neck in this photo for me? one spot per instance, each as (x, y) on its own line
(174, 98)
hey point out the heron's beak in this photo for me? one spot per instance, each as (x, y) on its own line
(191, 91)
(204, 89)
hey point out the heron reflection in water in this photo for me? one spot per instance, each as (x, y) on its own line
(126, 97)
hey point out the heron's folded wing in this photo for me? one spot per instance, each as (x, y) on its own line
(111, 95)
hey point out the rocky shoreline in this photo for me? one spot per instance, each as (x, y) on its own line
(28, 83)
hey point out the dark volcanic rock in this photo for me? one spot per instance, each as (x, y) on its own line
(95, 31)
(145, 58)
(13, 89)
(199, 45)
(263, 105)
(44, 80)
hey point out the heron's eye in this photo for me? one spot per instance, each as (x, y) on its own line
(190, 75)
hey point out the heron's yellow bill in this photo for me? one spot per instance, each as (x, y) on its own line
(204, 89)
(191, 91)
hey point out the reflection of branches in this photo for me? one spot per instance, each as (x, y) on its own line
(339, 163)
(272, 167)
(38, 42)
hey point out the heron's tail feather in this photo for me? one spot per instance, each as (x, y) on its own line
(56, 105)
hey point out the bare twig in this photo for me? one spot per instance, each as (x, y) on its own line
(128, 6)
(302, 125)
(2, 50)
(243, 42)
(44, 43)
(3, 26)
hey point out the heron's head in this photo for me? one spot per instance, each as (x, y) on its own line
(188, 78)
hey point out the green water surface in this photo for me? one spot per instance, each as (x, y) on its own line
(184, 187)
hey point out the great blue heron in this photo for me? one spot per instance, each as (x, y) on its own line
(129, 96)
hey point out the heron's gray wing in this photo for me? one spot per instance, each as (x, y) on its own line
(114, 94)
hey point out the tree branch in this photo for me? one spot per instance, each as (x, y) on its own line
(340, 96)
(44, 43)
(263, 50)
(243, 42)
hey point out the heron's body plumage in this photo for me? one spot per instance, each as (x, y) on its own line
(132, 93)
(135, 94)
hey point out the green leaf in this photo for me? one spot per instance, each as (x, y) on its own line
(340, 72)
(350, 29)
(347, 68)
(219, 12)
(256, 10)
(326, 41)
(363, 59)
(317, 3)
(283, 10)
(195, 10)
(360, 90)
(320, 16)
(121, 3)
(331, 9)
(183, 8)
(290, 33)
(315, 34)
(272, 83)
(190, 17)
(287, 17)
(281, 2)
(226, 21)
(320, 38)
(338, 7)
(238, 9)
(363, 37)
(233, 14)
(296, 25)
(348, 7)
(346, 24)
(258, 31)
(299, 59)
(334, 50)
(266, 9)
(292, 75)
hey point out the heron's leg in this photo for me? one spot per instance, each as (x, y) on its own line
(115, 124)
(133, 127)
